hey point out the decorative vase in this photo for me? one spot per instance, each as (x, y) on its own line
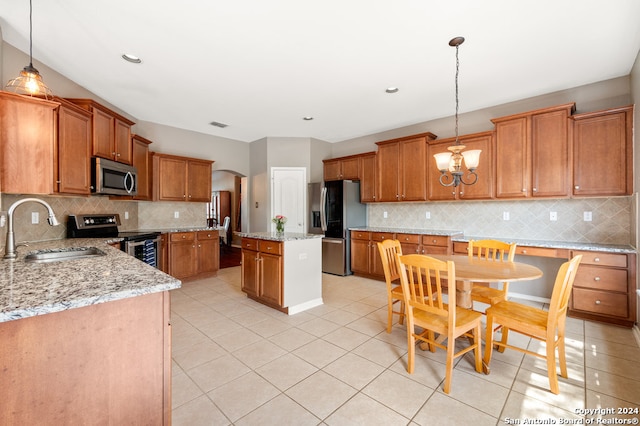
(280, 228)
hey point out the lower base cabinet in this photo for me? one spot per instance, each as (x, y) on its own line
(108, 363)
(262, 271)
(193, 254)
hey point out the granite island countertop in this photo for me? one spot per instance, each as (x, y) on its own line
(273, 236)
(29, 289)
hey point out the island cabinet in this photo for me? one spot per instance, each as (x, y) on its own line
(73, 150)
(368, 177)
(282, 273)
(344, 168)
(482, 189)
(108, 363)
(604, 288)
(365, 256)
(193, 254)
(181, 178)
(603, 152)
(111, 132)
(27, 141)
(402, 168)
(533, 153)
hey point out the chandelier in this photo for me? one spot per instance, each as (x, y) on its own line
(29, 82)
(451, 162)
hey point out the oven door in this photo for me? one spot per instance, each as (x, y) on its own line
(144, 250)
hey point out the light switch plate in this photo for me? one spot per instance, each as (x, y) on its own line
(505, 216)
(588, 217)
(35, 218)
(428, 215)
(176, 215)
(384, 215)
(553, 216)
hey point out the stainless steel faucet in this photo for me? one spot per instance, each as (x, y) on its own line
(10, 245)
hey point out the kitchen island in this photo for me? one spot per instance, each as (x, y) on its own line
(84, 341)
(283, 271)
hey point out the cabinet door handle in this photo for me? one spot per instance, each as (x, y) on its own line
(597, 259)
(535, 189)
(598, 302)
(524, 252)
(596, 279)
(576, 187)
(184, 236)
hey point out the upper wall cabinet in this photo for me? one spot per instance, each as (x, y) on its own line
(483, 188)
(603, 152)
(142, 162)
(111, 132)
(27, 143)
(181, 178)
(533, 153)
(368, 177)
(73, 150)
(402, 168)
(344, 168)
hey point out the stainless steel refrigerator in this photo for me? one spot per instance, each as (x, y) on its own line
(337, 209)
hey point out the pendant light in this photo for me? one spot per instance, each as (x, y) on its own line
(450, 163)
(29, 82)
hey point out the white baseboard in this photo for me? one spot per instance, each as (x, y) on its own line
(292, 310)
(513, 295)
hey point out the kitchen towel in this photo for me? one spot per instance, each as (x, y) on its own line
(149, 253)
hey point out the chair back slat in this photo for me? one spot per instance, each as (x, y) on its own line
(492, 249)
(423, 279)
(388, 250)
(562, 290)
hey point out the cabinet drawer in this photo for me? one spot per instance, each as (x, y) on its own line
(380, 236)
(435, 250)
(250, 244)
(435, 240)
(600, 302)
(272, 247)
(360, 235)
(460, 247)
(408, 238)
(537, 251)
(182, 236)
(207, 235)
(601, 278)
(602, 259)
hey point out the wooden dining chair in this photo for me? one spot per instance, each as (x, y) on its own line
(547, 326)
(498, 251)
(388, 250)
(427, 311)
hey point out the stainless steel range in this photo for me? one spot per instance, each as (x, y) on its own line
(143, 245)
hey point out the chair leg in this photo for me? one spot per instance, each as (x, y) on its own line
(449, 370)
(551, 367)
(562, 358)
(389, 313)
(411, 346)
(505, 337)
(401, 319)
(488, 344)
(477, 341)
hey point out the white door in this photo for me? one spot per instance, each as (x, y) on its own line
(288, 197)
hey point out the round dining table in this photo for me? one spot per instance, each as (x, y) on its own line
(474, 269)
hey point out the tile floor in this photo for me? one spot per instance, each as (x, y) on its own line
(237, 362)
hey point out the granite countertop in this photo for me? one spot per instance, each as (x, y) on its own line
(272, 236)
(460, 237)
(30, 289)
(185, 229)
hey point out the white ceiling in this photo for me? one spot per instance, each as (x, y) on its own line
(261, 65)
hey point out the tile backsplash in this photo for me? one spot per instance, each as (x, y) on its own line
(612, 218)
(142, 215)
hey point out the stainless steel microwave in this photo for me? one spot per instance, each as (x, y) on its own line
(112, 178)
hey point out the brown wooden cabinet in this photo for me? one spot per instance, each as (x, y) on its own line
(368, 177)
(141, 160)
(108, 362)
(163, 256)
(483, 188)
(402, 168)
(111, 132)
(193, 254)
(604, 288)
(424, 243)
(72, 167)
(365, 256)
(262, 271)
(181, 178)
(27, 141)
(344, 168)
(533, 153)
(603, 152)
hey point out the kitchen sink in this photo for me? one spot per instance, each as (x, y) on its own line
(57, 255)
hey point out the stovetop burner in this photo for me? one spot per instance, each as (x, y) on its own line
(103, 226)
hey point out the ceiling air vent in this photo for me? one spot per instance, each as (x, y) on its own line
(221, 125)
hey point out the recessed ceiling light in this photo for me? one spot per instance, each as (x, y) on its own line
(218, 124)
(307, 118)
(131, 58)
(392, 89)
